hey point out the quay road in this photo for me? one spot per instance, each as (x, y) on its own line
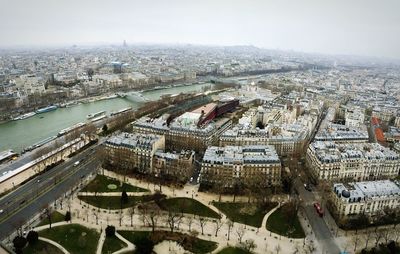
(26, 201)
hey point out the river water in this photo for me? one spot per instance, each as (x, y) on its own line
(18, 135)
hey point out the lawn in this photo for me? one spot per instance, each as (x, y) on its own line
(187, 205)
(233, 250)
(247, 213)
(103, 183)
(55, 217)
(114, 202)
(189, 243)
(41, 247)
(112, 244)
(74, 238)
(279, 223)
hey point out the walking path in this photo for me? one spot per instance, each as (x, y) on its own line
(93, 217)
(54, 243)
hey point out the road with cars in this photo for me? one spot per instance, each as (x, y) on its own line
(44, 189)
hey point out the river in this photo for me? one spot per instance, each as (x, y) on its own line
(20, 134)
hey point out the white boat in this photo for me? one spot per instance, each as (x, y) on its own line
(24, 116)
(69, 129)
(98, 118)
(120, 111)
(90, 116)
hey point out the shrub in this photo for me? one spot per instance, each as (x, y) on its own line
(67, 216)
(19, 243)
(110, 231)
(124, 197)
(32, 237)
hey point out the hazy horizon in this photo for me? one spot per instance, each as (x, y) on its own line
(361, 28)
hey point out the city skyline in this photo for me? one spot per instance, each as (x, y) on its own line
(364, 28)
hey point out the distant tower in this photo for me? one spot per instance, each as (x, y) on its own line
(124, 44)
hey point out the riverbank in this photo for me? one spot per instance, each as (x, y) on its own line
(17, 135)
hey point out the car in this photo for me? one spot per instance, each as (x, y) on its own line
(319, 209)
(76, 163)
(1, 211)
(307, 186)
(191, 179)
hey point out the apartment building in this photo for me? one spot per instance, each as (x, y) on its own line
(179, 166)
(370, 198)
(133, 151)
(328, 160)
(225, 165)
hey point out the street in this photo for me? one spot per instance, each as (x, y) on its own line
(318, 225)
(23, 203)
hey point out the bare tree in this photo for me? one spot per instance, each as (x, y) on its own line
(367, 236)
(120, 217)
(173, 219)
(229, 223)
(378, 235)
(151, 214)
(190, 220)
(48, 211)
(202, 223)
(386, 234)
(355, 240)
(396, 233)
(131, 212)
(218, 224)
(240, 231)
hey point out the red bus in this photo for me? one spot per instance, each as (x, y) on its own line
(319, 209)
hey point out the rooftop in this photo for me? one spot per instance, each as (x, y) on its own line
(134, 140)
(256, 154)
(329, 151)
(360, 191)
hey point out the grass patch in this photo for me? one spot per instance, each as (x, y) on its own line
(55, 217)
(74, 238)
(114, 202)
(187, 205)
(101, 184)
(112, 244)
(189, 243)
(233, 250)
(41, 247)
(279, 223)
(250, 214)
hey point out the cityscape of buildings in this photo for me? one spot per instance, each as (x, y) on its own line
(311, 136)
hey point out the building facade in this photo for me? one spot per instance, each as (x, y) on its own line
(133, 151)
(369, 198)
(179, 166)
(328, 160)
(225, 165)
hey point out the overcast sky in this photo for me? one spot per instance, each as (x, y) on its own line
(359, 27)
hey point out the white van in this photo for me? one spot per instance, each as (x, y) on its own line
(76, 163)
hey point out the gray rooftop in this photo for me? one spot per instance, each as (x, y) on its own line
(134, 140)
(256, 154)
(361, 191)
